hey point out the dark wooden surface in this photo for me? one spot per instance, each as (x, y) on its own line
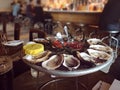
(25, 81)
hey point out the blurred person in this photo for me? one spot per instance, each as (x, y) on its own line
(30, 10)
(23, 8)
(15, 8)
(39, 13)
(110, 17)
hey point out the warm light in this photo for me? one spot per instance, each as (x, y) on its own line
(91, 5)
(58, 4)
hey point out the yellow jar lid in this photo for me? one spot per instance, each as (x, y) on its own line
(33, 49)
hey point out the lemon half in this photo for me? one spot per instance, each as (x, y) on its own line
(33, 49)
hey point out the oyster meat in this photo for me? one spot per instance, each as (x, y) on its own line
(53, 62)
(88, 58)
(99, 54)
(85, 56)
(71, 62)
(42, 56)
(101, 48)
(93, 41)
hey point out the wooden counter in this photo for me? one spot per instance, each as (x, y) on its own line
(2, 10)
(86, 17)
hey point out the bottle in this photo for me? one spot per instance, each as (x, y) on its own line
(66, 30)
(49, 26)
(68, 34)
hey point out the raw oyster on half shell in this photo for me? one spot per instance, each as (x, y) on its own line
(99, 54)
(38, 58)
(53, 62)
(101, 48)
(85, 56)
(88, 58)
(93, 41)
(71, 62)
(42, 56)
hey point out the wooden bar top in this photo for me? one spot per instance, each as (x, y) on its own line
(73, 11)
(4, 10)
(84, 16)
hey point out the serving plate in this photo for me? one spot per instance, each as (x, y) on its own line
(74, 73)
(83, 69)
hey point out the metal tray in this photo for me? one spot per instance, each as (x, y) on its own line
(74, 73)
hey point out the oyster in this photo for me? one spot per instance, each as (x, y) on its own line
(29, 58)
(53, 62)
(71, 62)
(99, 54)
(88, 58)
(85, 56)
(93, 41)
(101, 48)
(41, 56)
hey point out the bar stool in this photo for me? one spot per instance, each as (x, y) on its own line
(112, 41)
(39, 32)
(17, 28)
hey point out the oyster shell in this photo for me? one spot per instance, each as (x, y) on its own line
(71, 62)
(101, 48)
(29, 58)
(93, 41)
(38, 58)
(42, 56)
(99, 54)
(88, 58)
(85, 56)
(53, 62)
